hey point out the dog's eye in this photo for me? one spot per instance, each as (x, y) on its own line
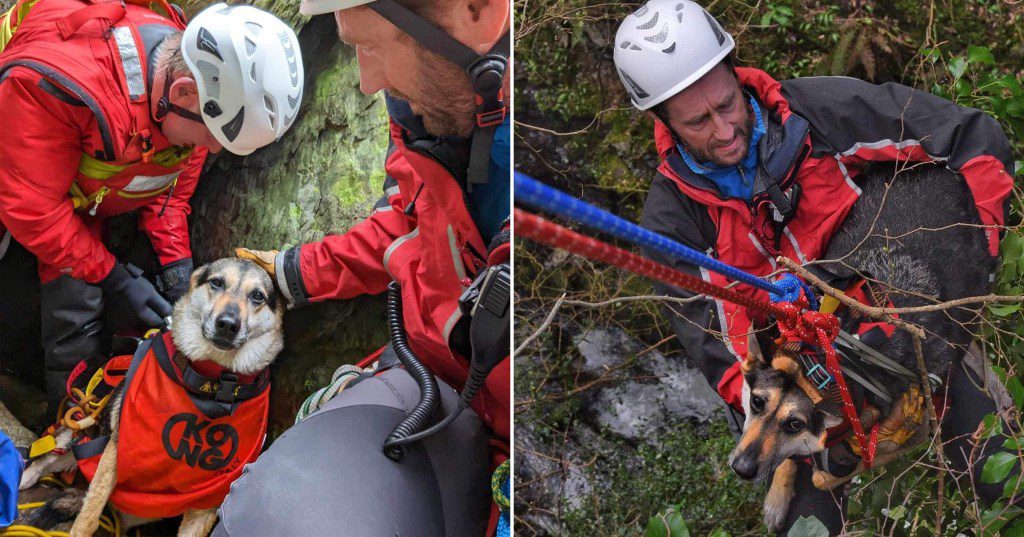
(756, 404)
(794, 426)
(216, 284)
(257, 297)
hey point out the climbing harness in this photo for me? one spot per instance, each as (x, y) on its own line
(83, 404)
(800, 323)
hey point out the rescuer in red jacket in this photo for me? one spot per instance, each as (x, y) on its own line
(116, 108)
(441, 222)
(752, 168)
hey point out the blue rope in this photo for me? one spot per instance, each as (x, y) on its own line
(535, 194)
(791, 286)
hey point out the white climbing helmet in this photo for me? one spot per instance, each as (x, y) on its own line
(248, 67)
(664, 47)
(316, 7)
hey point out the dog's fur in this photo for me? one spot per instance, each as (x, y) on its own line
(916, 237)
(231, 286)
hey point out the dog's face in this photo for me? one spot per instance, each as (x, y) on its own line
(782, 419)
(231, 315)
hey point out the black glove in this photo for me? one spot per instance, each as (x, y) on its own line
(173, 279)
(125, 288)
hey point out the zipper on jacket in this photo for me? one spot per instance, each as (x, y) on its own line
(743, 177)
(170, 193)
(479, 261)
(100, 194)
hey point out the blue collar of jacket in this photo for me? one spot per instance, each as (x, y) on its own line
(733, 181)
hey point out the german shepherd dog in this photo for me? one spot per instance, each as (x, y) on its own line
(232, 316)
(916, 237)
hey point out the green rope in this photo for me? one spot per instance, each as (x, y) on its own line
(498, 483)
(342, 375)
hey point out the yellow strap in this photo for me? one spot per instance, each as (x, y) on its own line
(99, 170)
(97, 377)
(828, 304)
(78, 198)
(44, 445)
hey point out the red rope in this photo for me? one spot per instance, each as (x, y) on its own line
(541, 230)
(796, 322)
(821, 329)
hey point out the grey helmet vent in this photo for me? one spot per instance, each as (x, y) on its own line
(649, 24)
(211, 80)
(659, 37)
(719, 34)
(635, 88)
(205, 41)
(233, 127)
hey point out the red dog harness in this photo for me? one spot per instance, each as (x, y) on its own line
(184, 435)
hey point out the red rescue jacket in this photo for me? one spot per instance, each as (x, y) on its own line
(851, 124)
(433, 253)
(178, 448)
(82, 145)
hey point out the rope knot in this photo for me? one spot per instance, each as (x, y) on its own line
(794, 290)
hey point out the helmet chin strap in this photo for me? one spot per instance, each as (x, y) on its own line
(486, 73)
(164, 106)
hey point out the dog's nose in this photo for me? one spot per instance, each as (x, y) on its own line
(228, 323)
(745, 466)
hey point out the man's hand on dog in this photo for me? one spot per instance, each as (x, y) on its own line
(263, 258)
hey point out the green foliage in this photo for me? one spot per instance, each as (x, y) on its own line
(807, 527)
(997, 467)
(684, 466)
(668, 523)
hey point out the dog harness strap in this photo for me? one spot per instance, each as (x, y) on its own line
(90, 448)
(225, 389)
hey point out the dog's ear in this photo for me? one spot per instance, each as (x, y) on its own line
(832, 414)
(754, 354)
(199, 276)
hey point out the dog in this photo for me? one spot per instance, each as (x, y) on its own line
(230, 320)
(915, 236)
